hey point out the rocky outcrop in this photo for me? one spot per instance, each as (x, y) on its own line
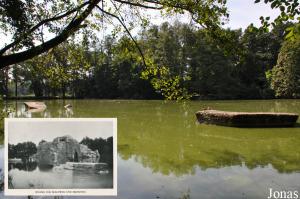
(64, 149)
(87, 155)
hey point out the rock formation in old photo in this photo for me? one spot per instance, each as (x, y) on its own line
(64, 149)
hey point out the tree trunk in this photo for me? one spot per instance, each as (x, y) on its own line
(63, 89)
(16, 87)
(54, 92)
(16, 80)
(37, 88)
(5, 81)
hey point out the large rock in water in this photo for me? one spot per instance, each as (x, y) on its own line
(247, 119)
(64, 149)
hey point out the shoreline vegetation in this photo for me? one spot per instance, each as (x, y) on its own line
(183, 62)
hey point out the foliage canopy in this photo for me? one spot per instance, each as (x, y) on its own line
(289, 10)
(286, 74)
(29, 21)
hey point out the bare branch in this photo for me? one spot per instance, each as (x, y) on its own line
(171, 4)
(139, 5)
(130, 35)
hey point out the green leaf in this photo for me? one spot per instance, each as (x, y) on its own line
(273, 5)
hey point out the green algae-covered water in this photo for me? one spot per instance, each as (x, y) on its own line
(164, 153)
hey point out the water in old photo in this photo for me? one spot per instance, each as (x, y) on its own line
(33, 176)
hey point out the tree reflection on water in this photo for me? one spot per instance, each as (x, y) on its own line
(31, 166)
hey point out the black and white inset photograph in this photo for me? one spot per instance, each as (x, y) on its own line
(60, 156)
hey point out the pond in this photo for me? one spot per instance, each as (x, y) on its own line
(164, 153)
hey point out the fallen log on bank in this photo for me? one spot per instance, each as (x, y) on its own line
(247, 119)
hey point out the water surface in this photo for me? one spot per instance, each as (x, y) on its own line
(36, 177)
(164, 153)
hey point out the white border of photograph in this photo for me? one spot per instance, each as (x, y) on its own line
(60, 192)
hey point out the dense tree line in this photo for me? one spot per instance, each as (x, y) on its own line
(22, 150)
(179, 58)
